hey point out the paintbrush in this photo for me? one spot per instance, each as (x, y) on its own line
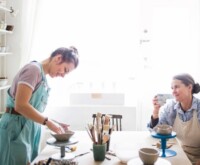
(98, 118)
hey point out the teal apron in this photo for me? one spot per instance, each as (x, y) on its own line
(19, 136)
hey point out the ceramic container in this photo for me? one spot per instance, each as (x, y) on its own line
(163, 129)
(162, 98)
(99, 152)
(148, 155)
(63, 137)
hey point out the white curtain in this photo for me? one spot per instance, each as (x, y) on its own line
(28, 15)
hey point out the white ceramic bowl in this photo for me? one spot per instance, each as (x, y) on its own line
(148, 155)
(63, 137)
(3, 81)
(126, 151)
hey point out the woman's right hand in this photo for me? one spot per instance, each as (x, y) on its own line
(55, 127)
(156, 106)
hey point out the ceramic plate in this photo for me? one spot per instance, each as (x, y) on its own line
(137, 161)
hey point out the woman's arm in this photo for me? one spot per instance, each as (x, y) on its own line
(155, 114)
(64, 125)
(163, 115)
(22, 106)
(153, 122)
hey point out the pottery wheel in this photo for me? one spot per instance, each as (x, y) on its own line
(62, 144)
(165, 152)
(53, 142)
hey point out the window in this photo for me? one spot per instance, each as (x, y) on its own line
(106, 35)
(133, 47)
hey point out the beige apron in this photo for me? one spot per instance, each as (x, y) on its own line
(188, 133)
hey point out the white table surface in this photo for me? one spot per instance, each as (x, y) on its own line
(141, 138)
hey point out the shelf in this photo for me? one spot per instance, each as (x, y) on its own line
(4, 87)
(5, 53)
(5, 31)
(5, 9)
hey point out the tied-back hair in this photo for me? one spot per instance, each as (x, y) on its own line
(187, 79)
(68, 54)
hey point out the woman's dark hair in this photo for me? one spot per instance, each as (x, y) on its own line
(68, 54)
(187, 79)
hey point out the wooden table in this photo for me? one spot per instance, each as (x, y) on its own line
(142, 138)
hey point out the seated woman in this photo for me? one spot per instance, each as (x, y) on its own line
(182, 113)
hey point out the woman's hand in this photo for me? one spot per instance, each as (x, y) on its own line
(55, 127)
(156, 106)
(64, 126)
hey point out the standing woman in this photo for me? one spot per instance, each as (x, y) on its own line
(20, 126)
(183, 114)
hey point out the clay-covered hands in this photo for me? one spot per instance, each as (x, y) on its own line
(56, 127)
(64, 126)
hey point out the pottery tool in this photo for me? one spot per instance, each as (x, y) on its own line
(70, 148)
(108, 158)
(93, 134)
(111, 129)
(105, 133)
(107, 119)
(89, 134)
(106, 129)
(105, 138)
(82, 154)
(98, 119)
(110, 153)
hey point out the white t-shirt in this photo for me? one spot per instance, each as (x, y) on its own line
(29, 75)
